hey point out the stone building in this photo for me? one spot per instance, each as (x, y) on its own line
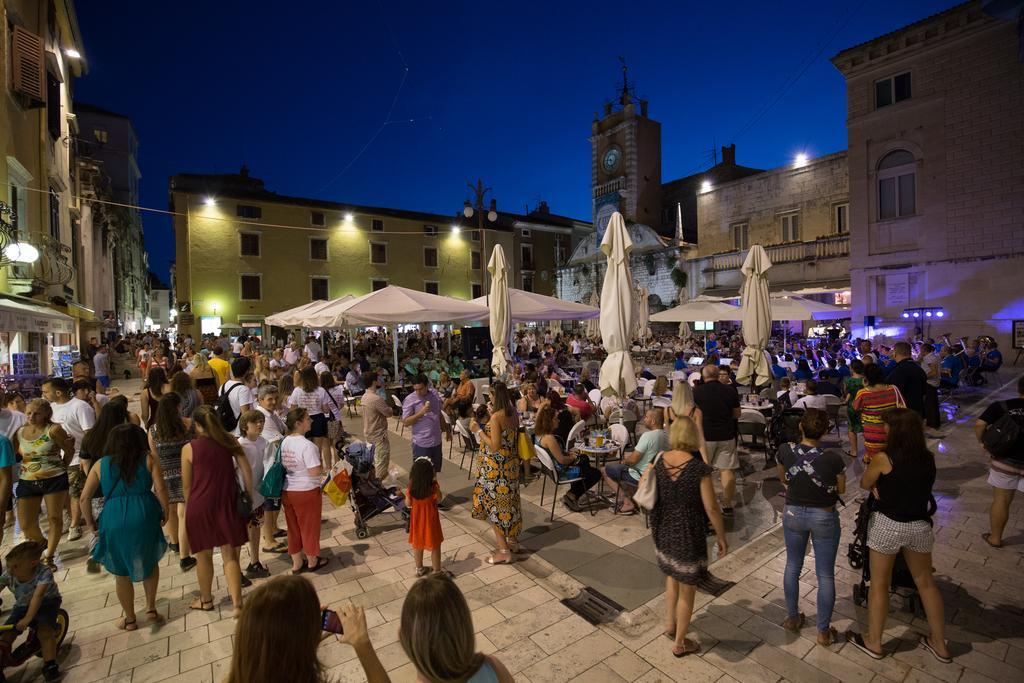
(798, 213)
(108, 140)
(936, 159)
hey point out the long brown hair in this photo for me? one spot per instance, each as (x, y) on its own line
(436, 631)
(502, 400)
(278, 634)
(169, 425)
(126, 447)
(905, 444)
(546, 420)
(308, 380)
(207, 418)
(181, 383)
(156, 378)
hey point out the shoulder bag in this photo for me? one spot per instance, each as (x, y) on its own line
(273, 478)
(646, 495)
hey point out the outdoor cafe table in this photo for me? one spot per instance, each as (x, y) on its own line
(610, 450)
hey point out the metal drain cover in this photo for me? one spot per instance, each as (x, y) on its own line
(593, 606)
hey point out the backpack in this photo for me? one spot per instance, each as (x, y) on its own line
(225, 412)
(1002, 438)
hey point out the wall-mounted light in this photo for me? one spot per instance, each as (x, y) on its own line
(210, 201)
(21, 252)
(72, 53)
(456, 230)
(800, 160)
(705, 186)
(348, 217)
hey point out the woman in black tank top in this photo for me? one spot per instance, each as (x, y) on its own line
(901, 479)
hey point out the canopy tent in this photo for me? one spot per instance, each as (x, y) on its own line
(530, 306)
(500, 312)
(395, 305)
(617, 374)
(293, 317)
(695, 311)
(798, 308)
(754, 369)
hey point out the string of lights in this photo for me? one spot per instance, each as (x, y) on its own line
(348, 223)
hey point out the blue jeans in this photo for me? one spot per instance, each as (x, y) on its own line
(822, 526)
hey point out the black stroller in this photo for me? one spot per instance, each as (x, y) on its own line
(902, 583)
(368, 497)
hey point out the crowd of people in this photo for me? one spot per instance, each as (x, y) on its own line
(217, 416)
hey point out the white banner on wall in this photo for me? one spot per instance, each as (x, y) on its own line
(897, 291)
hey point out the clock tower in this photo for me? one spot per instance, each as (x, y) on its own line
(626, 162)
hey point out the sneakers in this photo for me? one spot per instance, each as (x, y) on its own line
(245, 581)
(74, 533)
(187, 563)
(51, 672)
(257, 571)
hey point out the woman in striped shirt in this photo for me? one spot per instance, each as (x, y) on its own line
(872, 402)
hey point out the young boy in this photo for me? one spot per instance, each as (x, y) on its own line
(37, 600)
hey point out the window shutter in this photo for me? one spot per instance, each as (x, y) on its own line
(27, 64)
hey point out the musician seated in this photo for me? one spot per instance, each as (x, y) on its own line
(993, 358)
(950, 368)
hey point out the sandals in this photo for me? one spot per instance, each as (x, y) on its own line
(321, 562)
(508, 559)
(926, 644)
(794, 624)
(124, 624)
(422, 571)
(985, 536)
(857, 640)
(279, 548)
(154, 617)
(826, 638)
(201, 605)
(301, 570)
(689, 647)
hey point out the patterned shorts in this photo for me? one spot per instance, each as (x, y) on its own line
(76, 480)
(888, 536)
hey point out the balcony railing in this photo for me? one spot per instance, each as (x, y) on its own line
(837, 246)
(617, 185)
(53, 267)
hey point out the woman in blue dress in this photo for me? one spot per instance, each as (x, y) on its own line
(129, 543)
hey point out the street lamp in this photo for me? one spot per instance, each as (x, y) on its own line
(470, 207)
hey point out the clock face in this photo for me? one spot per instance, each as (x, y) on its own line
(610, 160)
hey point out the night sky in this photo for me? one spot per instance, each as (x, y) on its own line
(505, 91)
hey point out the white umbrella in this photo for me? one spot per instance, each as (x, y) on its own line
(594, 324)
(756, 319)
(294, 316)
(787, 308)
(617, 374)
(501, 311)
(696, 310)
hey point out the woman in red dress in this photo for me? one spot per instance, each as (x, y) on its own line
(211, 519)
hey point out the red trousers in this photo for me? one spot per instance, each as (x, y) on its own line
(302, 513)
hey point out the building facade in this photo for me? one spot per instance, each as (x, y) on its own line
(936, 158)
(108, 141)
(244, 252)
(798, 213)
(41, 306)
(159, 317)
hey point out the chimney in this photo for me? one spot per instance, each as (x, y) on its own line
(729, 155)
(543, 209)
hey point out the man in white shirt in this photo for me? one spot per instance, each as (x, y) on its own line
(321, 367)
(76, 417)
(810, 399)
(10, 422)
(313, 349)
(291, 354)
(237, 389)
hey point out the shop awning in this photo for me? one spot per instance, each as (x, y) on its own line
(22, 316)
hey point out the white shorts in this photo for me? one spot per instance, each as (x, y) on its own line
(1003, 480)
(887, 536)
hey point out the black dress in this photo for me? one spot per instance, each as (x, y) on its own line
(678, 523)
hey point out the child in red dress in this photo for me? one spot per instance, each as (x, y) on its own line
(422, 497)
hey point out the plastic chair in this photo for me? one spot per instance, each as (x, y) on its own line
(401, 423)
(448, 428)
(752, 423)
(469, 446)
(833, 406)
(595, 396)
(576, 430)
(547, 465)
(620, 434)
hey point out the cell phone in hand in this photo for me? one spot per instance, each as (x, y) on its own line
(330, 621)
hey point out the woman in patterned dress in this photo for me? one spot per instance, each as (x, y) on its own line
(873, 402)
(496, 494)
(678, 525)
(167, 437)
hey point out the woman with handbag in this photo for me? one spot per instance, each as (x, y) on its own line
(545, 437)
(212, 502)
(872, 403)
(677, 489)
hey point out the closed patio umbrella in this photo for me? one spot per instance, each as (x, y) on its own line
(501, 313)
(617, 374)
(594, 324)
(643, 314)
(756, 319)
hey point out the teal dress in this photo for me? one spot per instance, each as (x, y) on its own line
(130, 540)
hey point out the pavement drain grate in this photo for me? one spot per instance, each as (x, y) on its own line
(593, 606)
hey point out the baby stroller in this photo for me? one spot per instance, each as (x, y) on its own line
(368, 497)
(784, 427)
(902, 583)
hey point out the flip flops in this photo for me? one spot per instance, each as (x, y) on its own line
(279, 548)
(985, 536)
(202, 605)
(321, 562)
(926, 644)
(857, 640)
(689, 647)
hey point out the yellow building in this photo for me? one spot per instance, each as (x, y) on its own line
(243, 252)
(40, 229)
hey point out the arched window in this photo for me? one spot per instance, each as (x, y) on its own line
(897, 191)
